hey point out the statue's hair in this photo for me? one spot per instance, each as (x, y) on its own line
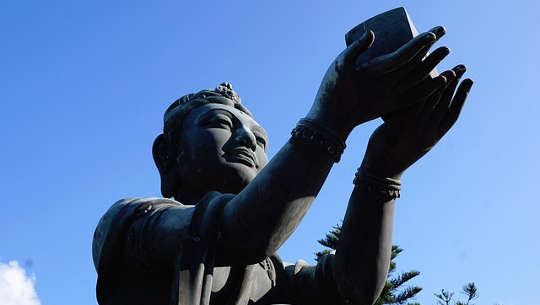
(176, 112)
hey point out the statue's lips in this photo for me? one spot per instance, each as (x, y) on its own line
(241, 155)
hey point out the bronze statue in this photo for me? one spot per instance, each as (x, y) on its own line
(215, 243)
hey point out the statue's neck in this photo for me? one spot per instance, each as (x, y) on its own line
(189, 194)
(188, 197)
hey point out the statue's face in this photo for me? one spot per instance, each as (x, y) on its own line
(221, 148)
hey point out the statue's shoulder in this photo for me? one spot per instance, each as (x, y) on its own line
(113, 222)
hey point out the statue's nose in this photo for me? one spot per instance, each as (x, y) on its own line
(246, 138)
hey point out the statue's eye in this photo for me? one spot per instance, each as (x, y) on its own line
(219, 122)
(224, 122)
(261, 141)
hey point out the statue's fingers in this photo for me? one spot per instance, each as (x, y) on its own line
(441, 108)
(421, 70)
(432, 101)
(439, 31)
(427, 88)
(413, 63)
(395, 60)
(457, 104)
(357, 47)
(458, 72)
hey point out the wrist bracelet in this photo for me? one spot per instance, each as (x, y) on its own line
(307, 131)
(384, 189)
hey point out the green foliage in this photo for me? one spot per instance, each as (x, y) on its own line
(445, 297)
(394, 291)
(330, 241)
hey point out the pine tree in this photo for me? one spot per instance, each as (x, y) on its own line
(393, 292)
(445, 297)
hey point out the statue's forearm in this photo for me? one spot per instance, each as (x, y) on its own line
(261, 217)
(364, 250)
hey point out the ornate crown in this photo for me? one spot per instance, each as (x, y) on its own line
(183, 105)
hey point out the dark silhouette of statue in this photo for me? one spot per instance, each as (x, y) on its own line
(215, 242)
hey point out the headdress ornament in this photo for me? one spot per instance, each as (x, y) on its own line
(179, 108)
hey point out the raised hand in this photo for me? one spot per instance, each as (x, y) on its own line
(354, 92)
(411, 133)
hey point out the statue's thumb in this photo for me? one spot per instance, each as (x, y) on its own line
(359, 46)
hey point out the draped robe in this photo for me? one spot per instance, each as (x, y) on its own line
(126, 253)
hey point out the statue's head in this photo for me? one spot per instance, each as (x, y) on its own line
(210, 141)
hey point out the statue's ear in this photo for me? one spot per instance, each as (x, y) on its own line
(165, 163)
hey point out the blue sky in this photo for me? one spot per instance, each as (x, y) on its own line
(84, 86)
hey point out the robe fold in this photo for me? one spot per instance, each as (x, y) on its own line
(128, 275)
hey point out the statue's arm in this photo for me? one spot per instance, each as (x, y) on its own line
(364, 249)
(356, 272)
(363, 252)
(261, 217)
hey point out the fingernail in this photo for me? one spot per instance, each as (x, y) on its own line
(445, 50)
(459, 70)
(439, 31)
(442, 29)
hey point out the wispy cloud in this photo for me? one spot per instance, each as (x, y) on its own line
(16, 287)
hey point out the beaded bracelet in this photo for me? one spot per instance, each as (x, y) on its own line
(384, 189)
(307, 131)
